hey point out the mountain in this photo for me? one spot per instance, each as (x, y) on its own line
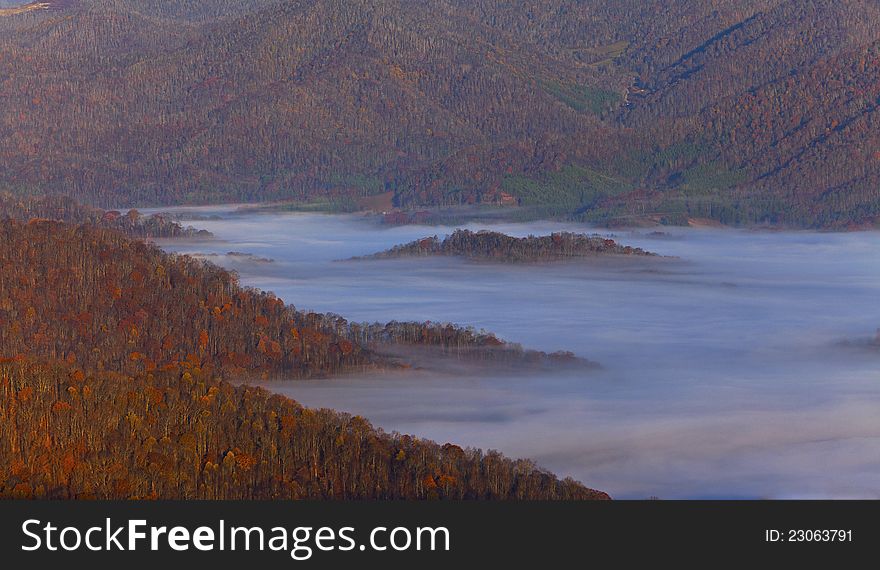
(115, 367)
(93, 295)
(756, 111)
(169, 435)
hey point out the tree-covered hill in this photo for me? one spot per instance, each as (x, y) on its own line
(746, 112)
(66, 209)
(90, 295)
(115, 368)
(495, 246)
(65, 434)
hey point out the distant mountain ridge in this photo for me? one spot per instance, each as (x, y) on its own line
(755, 111)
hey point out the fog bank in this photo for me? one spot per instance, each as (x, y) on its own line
(724, 373)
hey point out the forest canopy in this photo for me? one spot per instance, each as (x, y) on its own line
(115, 367)
(89, 295)
(66, 209)
(65, 434)
(610, 111)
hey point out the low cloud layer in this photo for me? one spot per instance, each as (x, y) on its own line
(724, 373)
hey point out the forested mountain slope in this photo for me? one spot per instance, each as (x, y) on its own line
(65, 209)
(185, 435)
(90, 295)
(114, 358)
(747, 111)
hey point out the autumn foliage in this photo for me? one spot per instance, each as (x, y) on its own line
(609, 110)
(102, 301)
(113, 360)
(66, 209)
(184, 435)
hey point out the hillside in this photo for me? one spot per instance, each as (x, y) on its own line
(495, 246)
(95, 297)
(757, 111)
(65, 209)
(173, 435)
(90, 295)
(115, 359)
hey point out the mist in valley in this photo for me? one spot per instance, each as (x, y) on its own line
(740, 366)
